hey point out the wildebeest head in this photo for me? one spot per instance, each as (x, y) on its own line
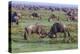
(50, 35)
(44, 34)
(42, 30)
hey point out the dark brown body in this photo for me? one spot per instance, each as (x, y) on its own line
(58, 27)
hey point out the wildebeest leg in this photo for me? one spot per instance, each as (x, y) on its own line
(39, 31)
(55, 37)
(25, 35)
(39, 17)
(64, 36)
(40, 34)
(67, 19)
(69, 39)
(48, 20)
(17, 22)
(58, 18)
(29, 33)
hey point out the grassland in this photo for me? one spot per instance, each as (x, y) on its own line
(34, 43)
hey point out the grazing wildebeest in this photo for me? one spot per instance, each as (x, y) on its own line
(57, 9)
(35, 28)
(65, 10)
(73, 18)
(35, 15)
(35, 8)
(15, 17)
(72, 15)
(53, 17)
(51, 9)
(69, 13)
(58, 27)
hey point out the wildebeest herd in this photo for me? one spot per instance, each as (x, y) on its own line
(71, 14)
(37, 26)
(58, 26)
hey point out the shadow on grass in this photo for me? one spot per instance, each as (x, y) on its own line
(49, 41)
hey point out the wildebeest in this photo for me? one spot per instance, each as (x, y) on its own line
(65, 9)
(73, 18)
(35, 28)
(53, 17)
(72, 15)
(58, 27)
(15, 17)
(35, 15)
(51, 9)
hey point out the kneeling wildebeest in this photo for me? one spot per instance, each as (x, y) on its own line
(35, 28)
(59, 27)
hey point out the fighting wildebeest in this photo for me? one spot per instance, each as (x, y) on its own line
(15, 17)
(35, 28)
(53, 17)
(35, 15)
(59, 27)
